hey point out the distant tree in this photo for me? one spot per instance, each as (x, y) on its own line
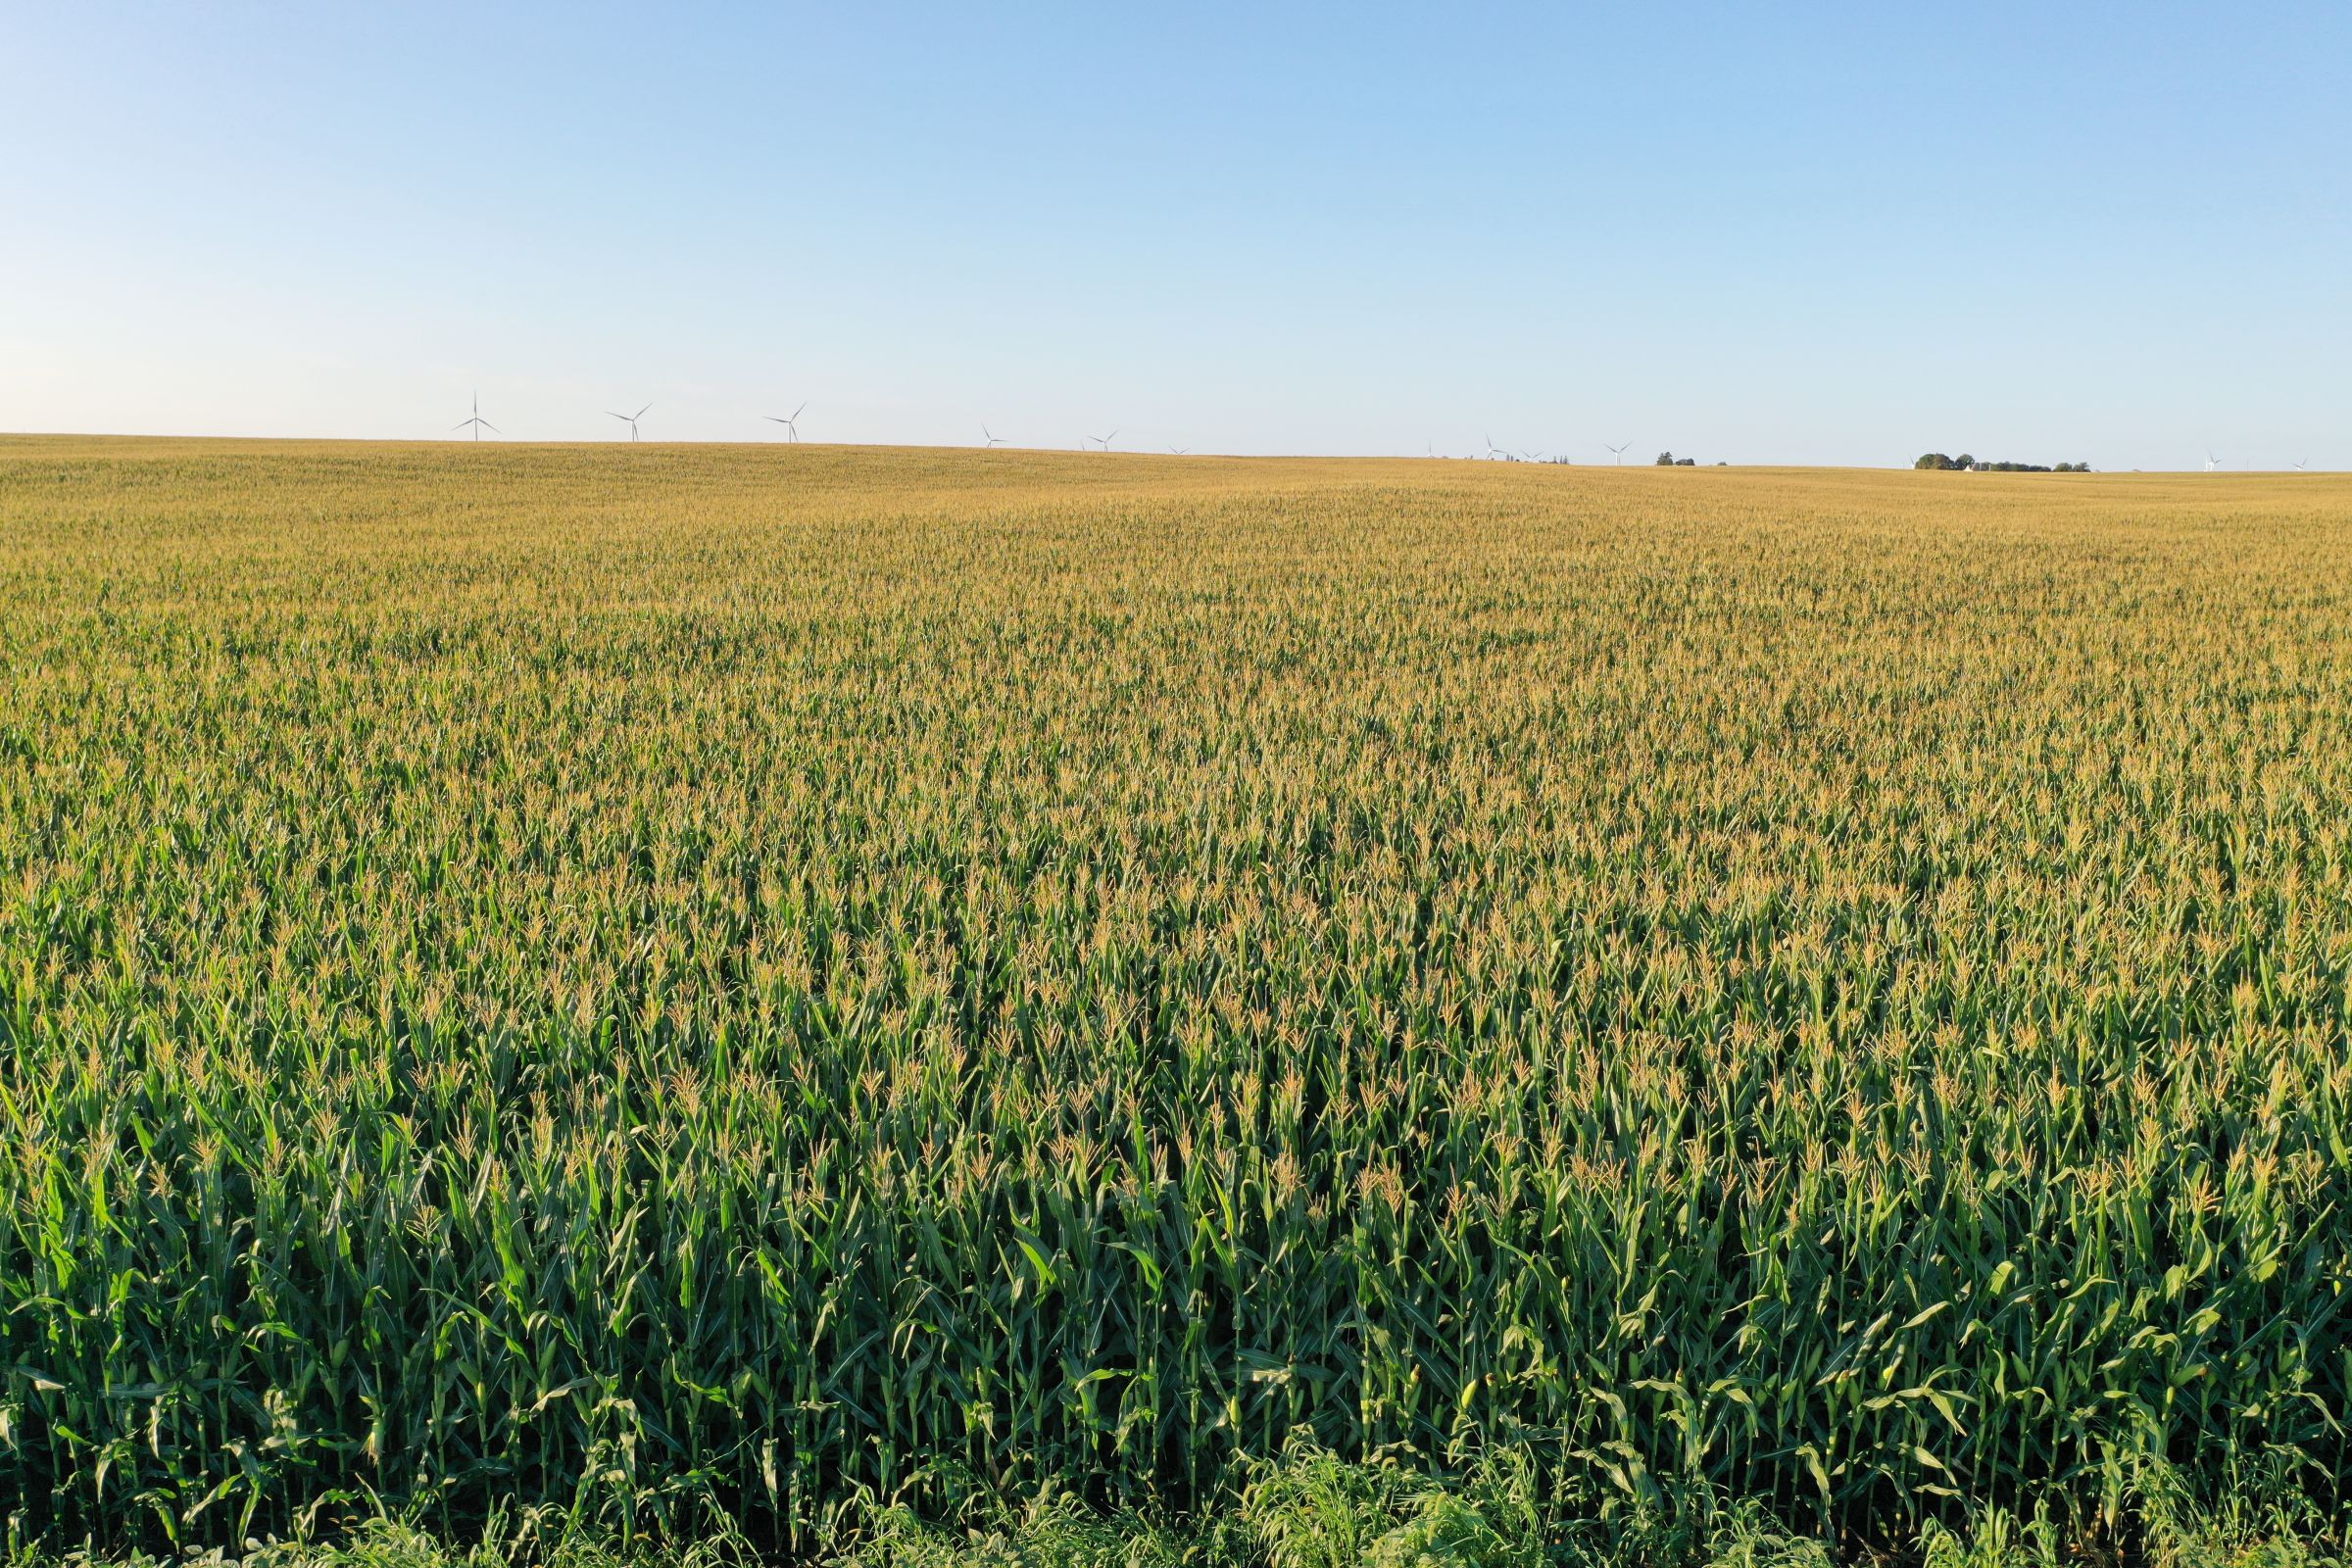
(1686, 462)
(1936, 460)
(1665, 460)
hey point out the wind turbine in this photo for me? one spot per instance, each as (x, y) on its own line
(1493, 451)
(2305, 464)
(2211, 461)
(1103, 441)
(1619, 452)
(993, 439)
(631, 419)
(478, 424)
(1179, 451)
(792, 430)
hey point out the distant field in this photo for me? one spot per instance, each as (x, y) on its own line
(673, 981)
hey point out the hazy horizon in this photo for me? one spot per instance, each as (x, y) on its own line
(1646, 461)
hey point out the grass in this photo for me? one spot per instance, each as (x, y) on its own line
(1309, 1508)
(699, 987)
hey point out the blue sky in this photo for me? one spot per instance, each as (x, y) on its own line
(1806, 233)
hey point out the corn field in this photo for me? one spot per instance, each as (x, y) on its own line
(667, 979)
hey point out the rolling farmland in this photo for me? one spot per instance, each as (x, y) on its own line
(692, 981)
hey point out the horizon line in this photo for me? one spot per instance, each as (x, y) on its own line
(1008, 446)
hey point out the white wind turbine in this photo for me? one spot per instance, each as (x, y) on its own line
(2211, 461)
(1618, 452)
(993, 439)
(1103, 442)
(631, 419)
(478, 422)
(790, 422)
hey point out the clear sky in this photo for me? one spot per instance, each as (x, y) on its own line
(1804, 233)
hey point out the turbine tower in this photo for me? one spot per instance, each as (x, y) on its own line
(2211, 461)
(478, 424)
(631, 419)
(791, 430)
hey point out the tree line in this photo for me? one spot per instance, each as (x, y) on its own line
(1936, 460)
